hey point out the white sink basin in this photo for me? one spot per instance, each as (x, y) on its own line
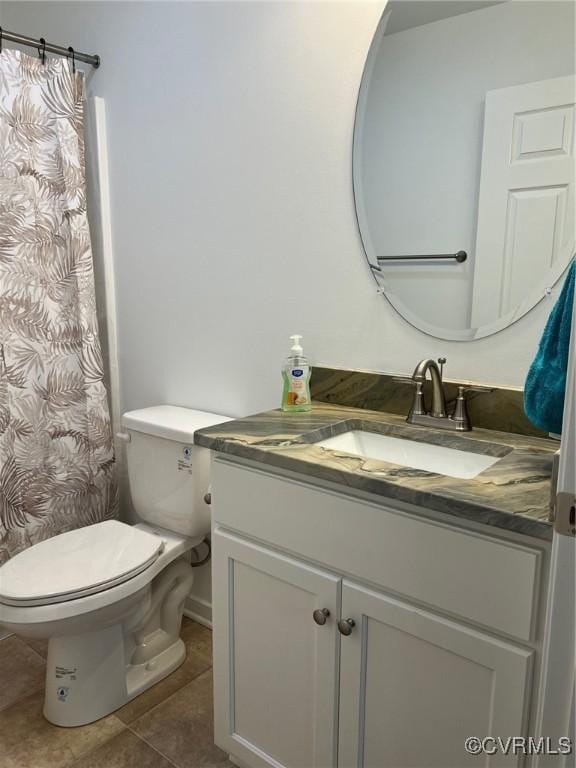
(409, 453)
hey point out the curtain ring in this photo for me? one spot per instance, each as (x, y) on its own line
(42, 50)
(71, 53)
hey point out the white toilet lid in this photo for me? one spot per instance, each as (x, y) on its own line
(78, 563)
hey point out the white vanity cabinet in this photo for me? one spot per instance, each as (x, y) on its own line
(275, 668)
(414, 686)
(418, 669)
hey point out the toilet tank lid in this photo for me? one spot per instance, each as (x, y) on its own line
(171, 422)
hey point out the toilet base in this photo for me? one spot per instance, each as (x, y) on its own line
(141, 676)
(87, 678)
(92, 673)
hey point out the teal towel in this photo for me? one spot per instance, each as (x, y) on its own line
(545, 385)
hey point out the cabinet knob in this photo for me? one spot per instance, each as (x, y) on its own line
(345, 626)
(208, 498)
(320, 615)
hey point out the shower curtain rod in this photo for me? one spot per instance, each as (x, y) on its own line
(41, 45)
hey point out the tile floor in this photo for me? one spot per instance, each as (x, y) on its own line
(168, 726)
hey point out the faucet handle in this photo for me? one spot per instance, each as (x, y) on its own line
(403, 379)
(460, 415)
(464, 388)
(418, 406)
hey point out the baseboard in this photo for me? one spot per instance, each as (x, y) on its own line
(199, 610)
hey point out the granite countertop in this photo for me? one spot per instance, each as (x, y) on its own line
(512, 494)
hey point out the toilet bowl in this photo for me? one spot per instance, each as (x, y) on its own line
(109, 597)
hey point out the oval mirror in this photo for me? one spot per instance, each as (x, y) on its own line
(464, 159)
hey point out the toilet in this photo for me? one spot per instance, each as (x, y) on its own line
(109, 597)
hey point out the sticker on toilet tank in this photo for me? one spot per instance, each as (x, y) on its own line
(66, 672)
(185, 460)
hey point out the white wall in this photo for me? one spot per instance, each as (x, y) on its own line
(230, 131)
(422, 134)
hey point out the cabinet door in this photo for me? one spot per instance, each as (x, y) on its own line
(414, 686)
(275, 668)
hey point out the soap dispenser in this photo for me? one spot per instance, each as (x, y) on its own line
(296, 375)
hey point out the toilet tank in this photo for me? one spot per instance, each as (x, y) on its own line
(168, 474)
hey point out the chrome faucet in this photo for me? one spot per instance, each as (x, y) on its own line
(437, 416)
(438, 410)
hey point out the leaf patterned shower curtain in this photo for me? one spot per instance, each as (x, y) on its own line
(56, 452)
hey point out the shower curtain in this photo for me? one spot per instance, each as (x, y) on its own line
(56, 453)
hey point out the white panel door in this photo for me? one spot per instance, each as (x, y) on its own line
(557, 703)
(275, 668)
(414, 686)
(525, 232)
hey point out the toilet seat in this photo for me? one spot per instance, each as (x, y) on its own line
(78, 563)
